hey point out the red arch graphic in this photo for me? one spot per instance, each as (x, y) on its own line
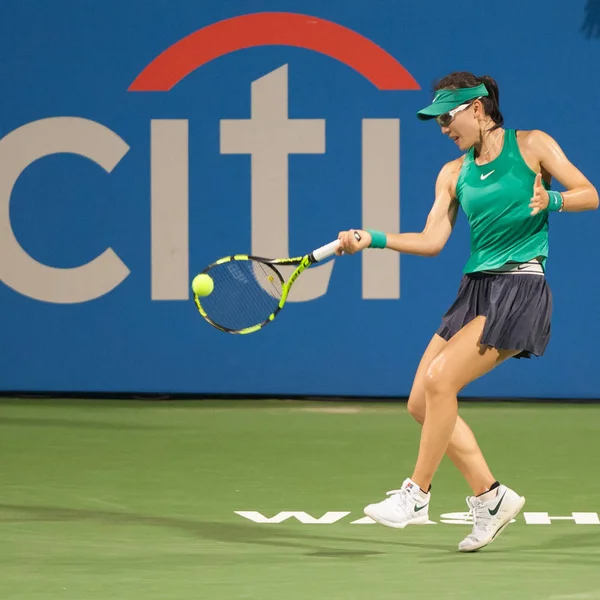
(274, 29)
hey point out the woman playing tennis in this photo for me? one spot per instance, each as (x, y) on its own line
(504, 305)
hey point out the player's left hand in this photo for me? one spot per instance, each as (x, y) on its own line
(540, 198)
(349, 244)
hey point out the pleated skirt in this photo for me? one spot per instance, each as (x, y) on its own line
(517, 307)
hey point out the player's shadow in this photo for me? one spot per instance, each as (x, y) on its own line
(568, 548)
(238, 533)
(343, 553)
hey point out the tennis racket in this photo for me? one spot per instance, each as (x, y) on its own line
(249, 291)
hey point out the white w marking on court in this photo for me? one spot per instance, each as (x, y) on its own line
(327, 519)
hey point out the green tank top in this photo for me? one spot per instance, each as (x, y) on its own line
(495, 198)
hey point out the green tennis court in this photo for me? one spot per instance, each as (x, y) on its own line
(107, 499)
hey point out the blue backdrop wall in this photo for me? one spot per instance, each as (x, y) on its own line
(142, 140)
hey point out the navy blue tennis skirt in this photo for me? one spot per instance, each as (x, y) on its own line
(517, 307)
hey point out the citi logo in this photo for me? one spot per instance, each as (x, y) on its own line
(268, 136)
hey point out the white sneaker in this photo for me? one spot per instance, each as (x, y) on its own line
(490, 516)
(407, 506)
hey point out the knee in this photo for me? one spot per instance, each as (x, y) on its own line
(437, 382)
(416, 406)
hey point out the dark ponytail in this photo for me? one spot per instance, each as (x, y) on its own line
(464, 79)
(491, 103)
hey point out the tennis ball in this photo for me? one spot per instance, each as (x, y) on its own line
(202, 284)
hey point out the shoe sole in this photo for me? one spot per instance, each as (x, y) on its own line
(500, 529)
(417, 521)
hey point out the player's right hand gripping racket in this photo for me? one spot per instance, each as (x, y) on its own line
(249, 291)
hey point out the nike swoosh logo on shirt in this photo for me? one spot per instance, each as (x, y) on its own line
(493, 512)
(487, 175)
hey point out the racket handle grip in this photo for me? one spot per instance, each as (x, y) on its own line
(329, 249)
(325, 251)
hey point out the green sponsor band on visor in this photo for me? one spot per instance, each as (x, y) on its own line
(446, 100)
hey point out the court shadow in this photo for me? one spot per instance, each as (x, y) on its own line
(574, 540)
(344, 553)
(563, 549)
(413, 545)
(233, 533)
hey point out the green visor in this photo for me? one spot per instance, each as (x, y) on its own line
(446, 100)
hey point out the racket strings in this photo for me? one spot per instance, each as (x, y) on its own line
(245, 294)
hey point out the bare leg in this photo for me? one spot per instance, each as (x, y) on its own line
(463, 449)
(447, 367)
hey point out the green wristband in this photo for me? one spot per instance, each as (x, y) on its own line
(555, 201)
(378, 239)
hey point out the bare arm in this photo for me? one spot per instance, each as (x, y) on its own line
(440, 220)
(438, 226)
(580, 194)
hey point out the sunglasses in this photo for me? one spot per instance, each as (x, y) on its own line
(447, 118)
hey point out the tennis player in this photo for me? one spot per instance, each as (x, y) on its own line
(504, 304)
